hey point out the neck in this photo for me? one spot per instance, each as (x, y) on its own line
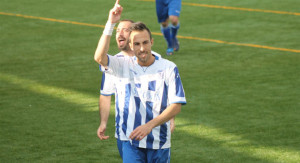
(128, 53)
(149, 62)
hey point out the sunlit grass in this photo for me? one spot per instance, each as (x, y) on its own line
(238, 144)
(242, 101)
(69, 96)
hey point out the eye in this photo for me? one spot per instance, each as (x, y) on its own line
(136, 44)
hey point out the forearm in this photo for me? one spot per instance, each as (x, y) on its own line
(102, 50)
(169, 113)
(172, 124)
(104, 109)
(140, 132)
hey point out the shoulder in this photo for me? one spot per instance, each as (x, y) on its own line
(161, 60)
(120, 54)
(166, 63)
(156, 54)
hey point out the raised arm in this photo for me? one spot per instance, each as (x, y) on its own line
(103, 45)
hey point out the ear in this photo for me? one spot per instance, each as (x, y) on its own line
(152, 42)
(130, 45)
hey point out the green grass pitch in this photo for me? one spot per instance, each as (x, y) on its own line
(239, 67)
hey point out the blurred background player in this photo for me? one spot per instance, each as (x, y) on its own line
(169, 11)
(108, 86)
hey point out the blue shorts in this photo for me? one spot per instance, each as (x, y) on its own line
(132, 154)
(119, 144)
(165, 8)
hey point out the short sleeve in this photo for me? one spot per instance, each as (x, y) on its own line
(175, 92)
(115, 65)
(107, 84)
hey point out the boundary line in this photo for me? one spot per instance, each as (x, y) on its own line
(233, 8)
(52, 20)
(155, 33)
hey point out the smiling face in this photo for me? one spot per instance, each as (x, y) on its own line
(122, 35)
(141, 43)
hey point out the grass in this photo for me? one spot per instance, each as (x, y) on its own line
(243, 102)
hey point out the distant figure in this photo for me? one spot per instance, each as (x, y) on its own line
(169, 10)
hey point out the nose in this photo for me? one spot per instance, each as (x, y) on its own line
(121, 32)
(142, 48)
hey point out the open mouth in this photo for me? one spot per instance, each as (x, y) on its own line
(121, 41)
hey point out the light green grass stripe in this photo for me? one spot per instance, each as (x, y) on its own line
(238, 144)
(234, 8)
(67, 95)
(159, 34)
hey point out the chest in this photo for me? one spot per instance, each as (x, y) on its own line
(145, 86)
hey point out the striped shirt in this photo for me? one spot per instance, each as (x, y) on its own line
(142, 93)
(108, 87)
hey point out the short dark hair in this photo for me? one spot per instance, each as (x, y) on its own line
(140, 26)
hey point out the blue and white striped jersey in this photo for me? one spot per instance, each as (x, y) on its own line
(108, 87)
(142, 93)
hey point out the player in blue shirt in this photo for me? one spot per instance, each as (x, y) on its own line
(169, 11)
